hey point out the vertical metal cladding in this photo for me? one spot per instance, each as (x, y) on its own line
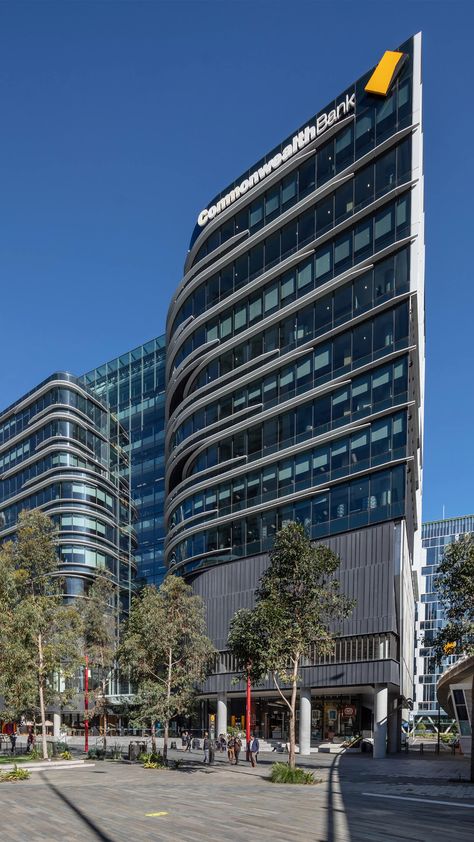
(62, 451)
(294, 358)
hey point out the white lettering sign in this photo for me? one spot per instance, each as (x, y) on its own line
(299, 141)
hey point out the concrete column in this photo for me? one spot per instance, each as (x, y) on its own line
(305, 720)
(221, 714)
(380, 720)
(394, 726)
(56, 725)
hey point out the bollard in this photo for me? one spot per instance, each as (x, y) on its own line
(421, 748)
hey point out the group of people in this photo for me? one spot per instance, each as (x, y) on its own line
(233, 746)
(30, 740)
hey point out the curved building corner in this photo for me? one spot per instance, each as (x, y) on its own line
(295, 381)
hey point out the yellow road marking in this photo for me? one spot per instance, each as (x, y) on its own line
(156, 814)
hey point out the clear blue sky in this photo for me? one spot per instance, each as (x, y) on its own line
(119, 121)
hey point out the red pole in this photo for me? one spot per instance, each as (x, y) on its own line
(86, 706)
(247, 714)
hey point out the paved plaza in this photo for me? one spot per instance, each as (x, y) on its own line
(358, 800)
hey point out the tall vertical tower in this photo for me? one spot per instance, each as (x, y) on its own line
(133, 386)
(295, 371)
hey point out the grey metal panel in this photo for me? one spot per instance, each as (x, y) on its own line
(331, 675)
(367, 574)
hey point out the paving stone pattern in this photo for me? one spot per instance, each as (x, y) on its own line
(109, 802)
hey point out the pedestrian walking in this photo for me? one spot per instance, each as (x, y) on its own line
(206, 746)
(13, 741)
(189, 741)
(30, 739)
(230, 749)
(237, 747)
(222, 742)
(254, 749)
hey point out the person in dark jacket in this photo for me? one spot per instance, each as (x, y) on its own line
(237, 747)
(254, 749)
(206, 746)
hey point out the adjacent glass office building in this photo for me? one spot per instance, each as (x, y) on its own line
(133, 386)
(436, 536)
(295, 364)
(63, 452)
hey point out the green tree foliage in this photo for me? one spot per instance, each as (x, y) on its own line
(297, 606)
(99, 614)
(39, 634)
(455, 587)
(166, 648)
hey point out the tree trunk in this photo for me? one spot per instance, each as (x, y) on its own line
(168, 697)
(44, 744)
(292, 752)
(105, 729)
(153, 736)
(165, 740)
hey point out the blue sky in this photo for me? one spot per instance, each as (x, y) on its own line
(119, 121)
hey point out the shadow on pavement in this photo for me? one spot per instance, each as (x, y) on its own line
(81, 815)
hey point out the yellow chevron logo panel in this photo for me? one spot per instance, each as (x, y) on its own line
(385, 73)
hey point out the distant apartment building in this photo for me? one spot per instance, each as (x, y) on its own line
(436, 536)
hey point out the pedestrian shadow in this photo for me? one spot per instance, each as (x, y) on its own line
(99, 834)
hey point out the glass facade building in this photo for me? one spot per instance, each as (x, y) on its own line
(436, 536)
(295, 360)
(63, 452)
(133, 386)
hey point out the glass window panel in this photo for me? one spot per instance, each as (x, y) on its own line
(344, 201)
(240, 318)
(323, 263)
(364, 187)
(385, 172)
(383, 227)
(287, 287)
(256, 213)
(343, 252)
(255, 309)
(324, 215)
(339, 502)
(321, 458)
(323, 313)
(363, 239)
(288, 191)
(322, 360)
(344, 148)
(272, 249)
(272, 202)
(305, 275)
(306, 177)
(256, 260)
(271, 298)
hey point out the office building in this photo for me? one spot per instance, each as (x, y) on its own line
(295, 370)
(436, 536)
(133, 386)
(61, 451)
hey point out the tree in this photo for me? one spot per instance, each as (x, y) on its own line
(455, 586)
(166, 648)
(100, 621)
(297, 604)
(39, 634)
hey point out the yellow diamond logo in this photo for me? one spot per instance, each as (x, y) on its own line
(385, 73)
